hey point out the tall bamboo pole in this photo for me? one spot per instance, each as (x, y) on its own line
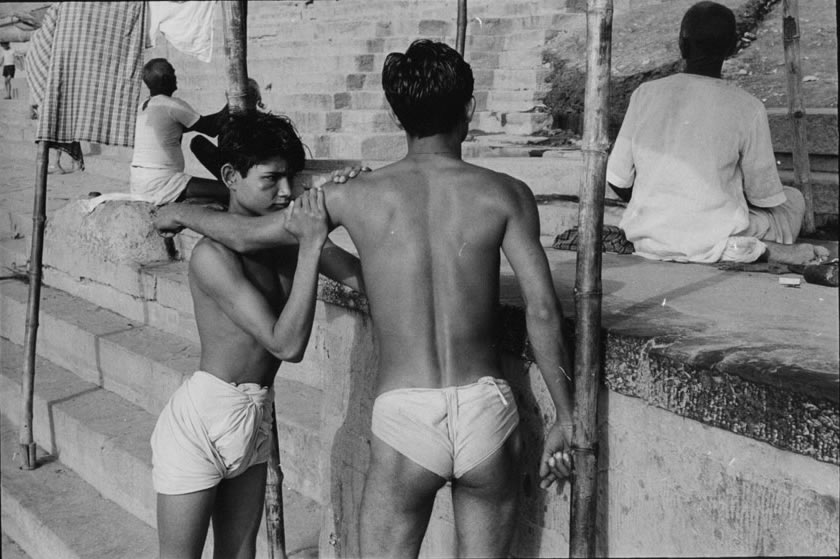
(39, 219)
(236, 33)
(796, 110)
(588, 278)
(461, 37)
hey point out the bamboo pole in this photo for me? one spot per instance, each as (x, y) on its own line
(461, 37)
(588, 279)
(796, 110)
(274, 521)
(236, 33)
(39, 219)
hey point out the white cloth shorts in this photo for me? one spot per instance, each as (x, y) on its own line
(449, 431)
(161, 185)
(210, 430)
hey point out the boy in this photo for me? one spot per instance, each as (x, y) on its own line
(8, 67)
(253, 311)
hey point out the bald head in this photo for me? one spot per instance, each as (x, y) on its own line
(159, 76)
(708, 32)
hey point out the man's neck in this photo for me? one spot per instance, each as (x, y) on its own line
(708, 68)
(444, 145)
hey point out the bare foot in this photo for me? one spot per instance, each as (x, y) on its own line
(798, 254)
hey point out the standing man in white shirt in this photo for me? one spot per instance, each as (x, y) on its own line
(8, 67)
(157, 167)
(694, 159)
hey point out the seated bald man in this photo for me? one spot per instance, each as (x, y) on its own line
(694, 159)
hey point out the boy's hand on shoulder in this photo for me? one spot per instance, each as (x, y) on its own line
(343, 175)
(306, 219)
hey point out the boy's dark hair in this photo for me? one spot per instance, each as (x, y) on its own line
(428, 87)
(708, 31)
(250, 138)
(158, 74)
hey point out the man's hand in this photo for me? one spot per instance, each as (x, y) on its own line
(343, 175)
(306, 219)
(165, 220)
(556, 460)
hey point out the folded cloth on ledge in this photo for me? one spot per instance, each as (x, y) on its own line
(93, 203)
(612, 240)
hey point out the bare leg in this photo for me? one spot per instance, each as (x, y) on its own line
(485, 501)
(182, 523)
(237, 514)
(800, 253)
(396, 503)
(206, 188)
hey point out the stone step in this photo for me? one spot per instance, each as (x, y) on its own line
(75, 421)
(366, 26)
(51, 512)
(144, 365)
(10, 549)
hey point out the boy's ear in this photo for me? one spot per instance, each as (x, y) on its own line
(470, 109)
(394, 118)
(229, 175)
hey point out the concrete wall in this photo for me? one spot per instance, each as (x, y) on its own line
(667, 486)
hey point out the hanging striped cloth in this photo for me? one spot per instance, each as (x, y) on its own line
(84, 68)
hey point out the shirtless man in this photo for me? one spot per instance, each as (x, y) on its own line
(695, 160)
(211, 442)
(429, 229)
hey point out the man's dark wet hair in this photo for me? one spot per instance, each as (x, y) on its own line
(251, 138)
(708, 31)
(428, 87)
(158, 75)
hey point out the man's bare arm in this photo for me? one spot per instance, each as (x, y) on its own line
(237, 232)
(341, 266)
(543, 317)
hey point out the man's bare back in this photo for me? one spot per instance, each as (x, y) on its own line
(428, 230)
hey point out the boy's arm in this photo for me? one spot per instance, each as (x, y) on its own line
(219, 273)
(237, 232)
(342, 266)
(543, 317)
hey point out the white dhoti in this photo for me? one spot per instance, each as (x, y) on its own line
(210, 430)
(162, 186)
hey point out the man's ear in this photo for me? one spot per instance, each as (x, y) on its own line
(229, 176)
(683, 44)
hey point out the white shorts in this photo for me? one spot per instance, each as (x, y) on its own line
(161, 185)
(210, 430)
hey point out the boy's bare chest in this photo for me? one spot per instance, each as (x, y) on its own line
(271, 273)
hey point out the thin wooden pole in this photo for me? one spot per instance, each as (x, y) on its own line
(236, 48)
(39, 219)
(235, 32)
(588, 278)
(461, 37)
(796, 110)
(274, 521)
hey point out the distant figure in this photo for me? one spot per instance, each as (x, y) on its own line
(206, 151)
(695, 160)
(8, 67)
(430, 230)
(211, 442)
(157, 167)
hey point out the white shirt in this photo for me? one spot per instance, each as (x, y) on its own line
(694, 149)
(8, 57)
(158, 131)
